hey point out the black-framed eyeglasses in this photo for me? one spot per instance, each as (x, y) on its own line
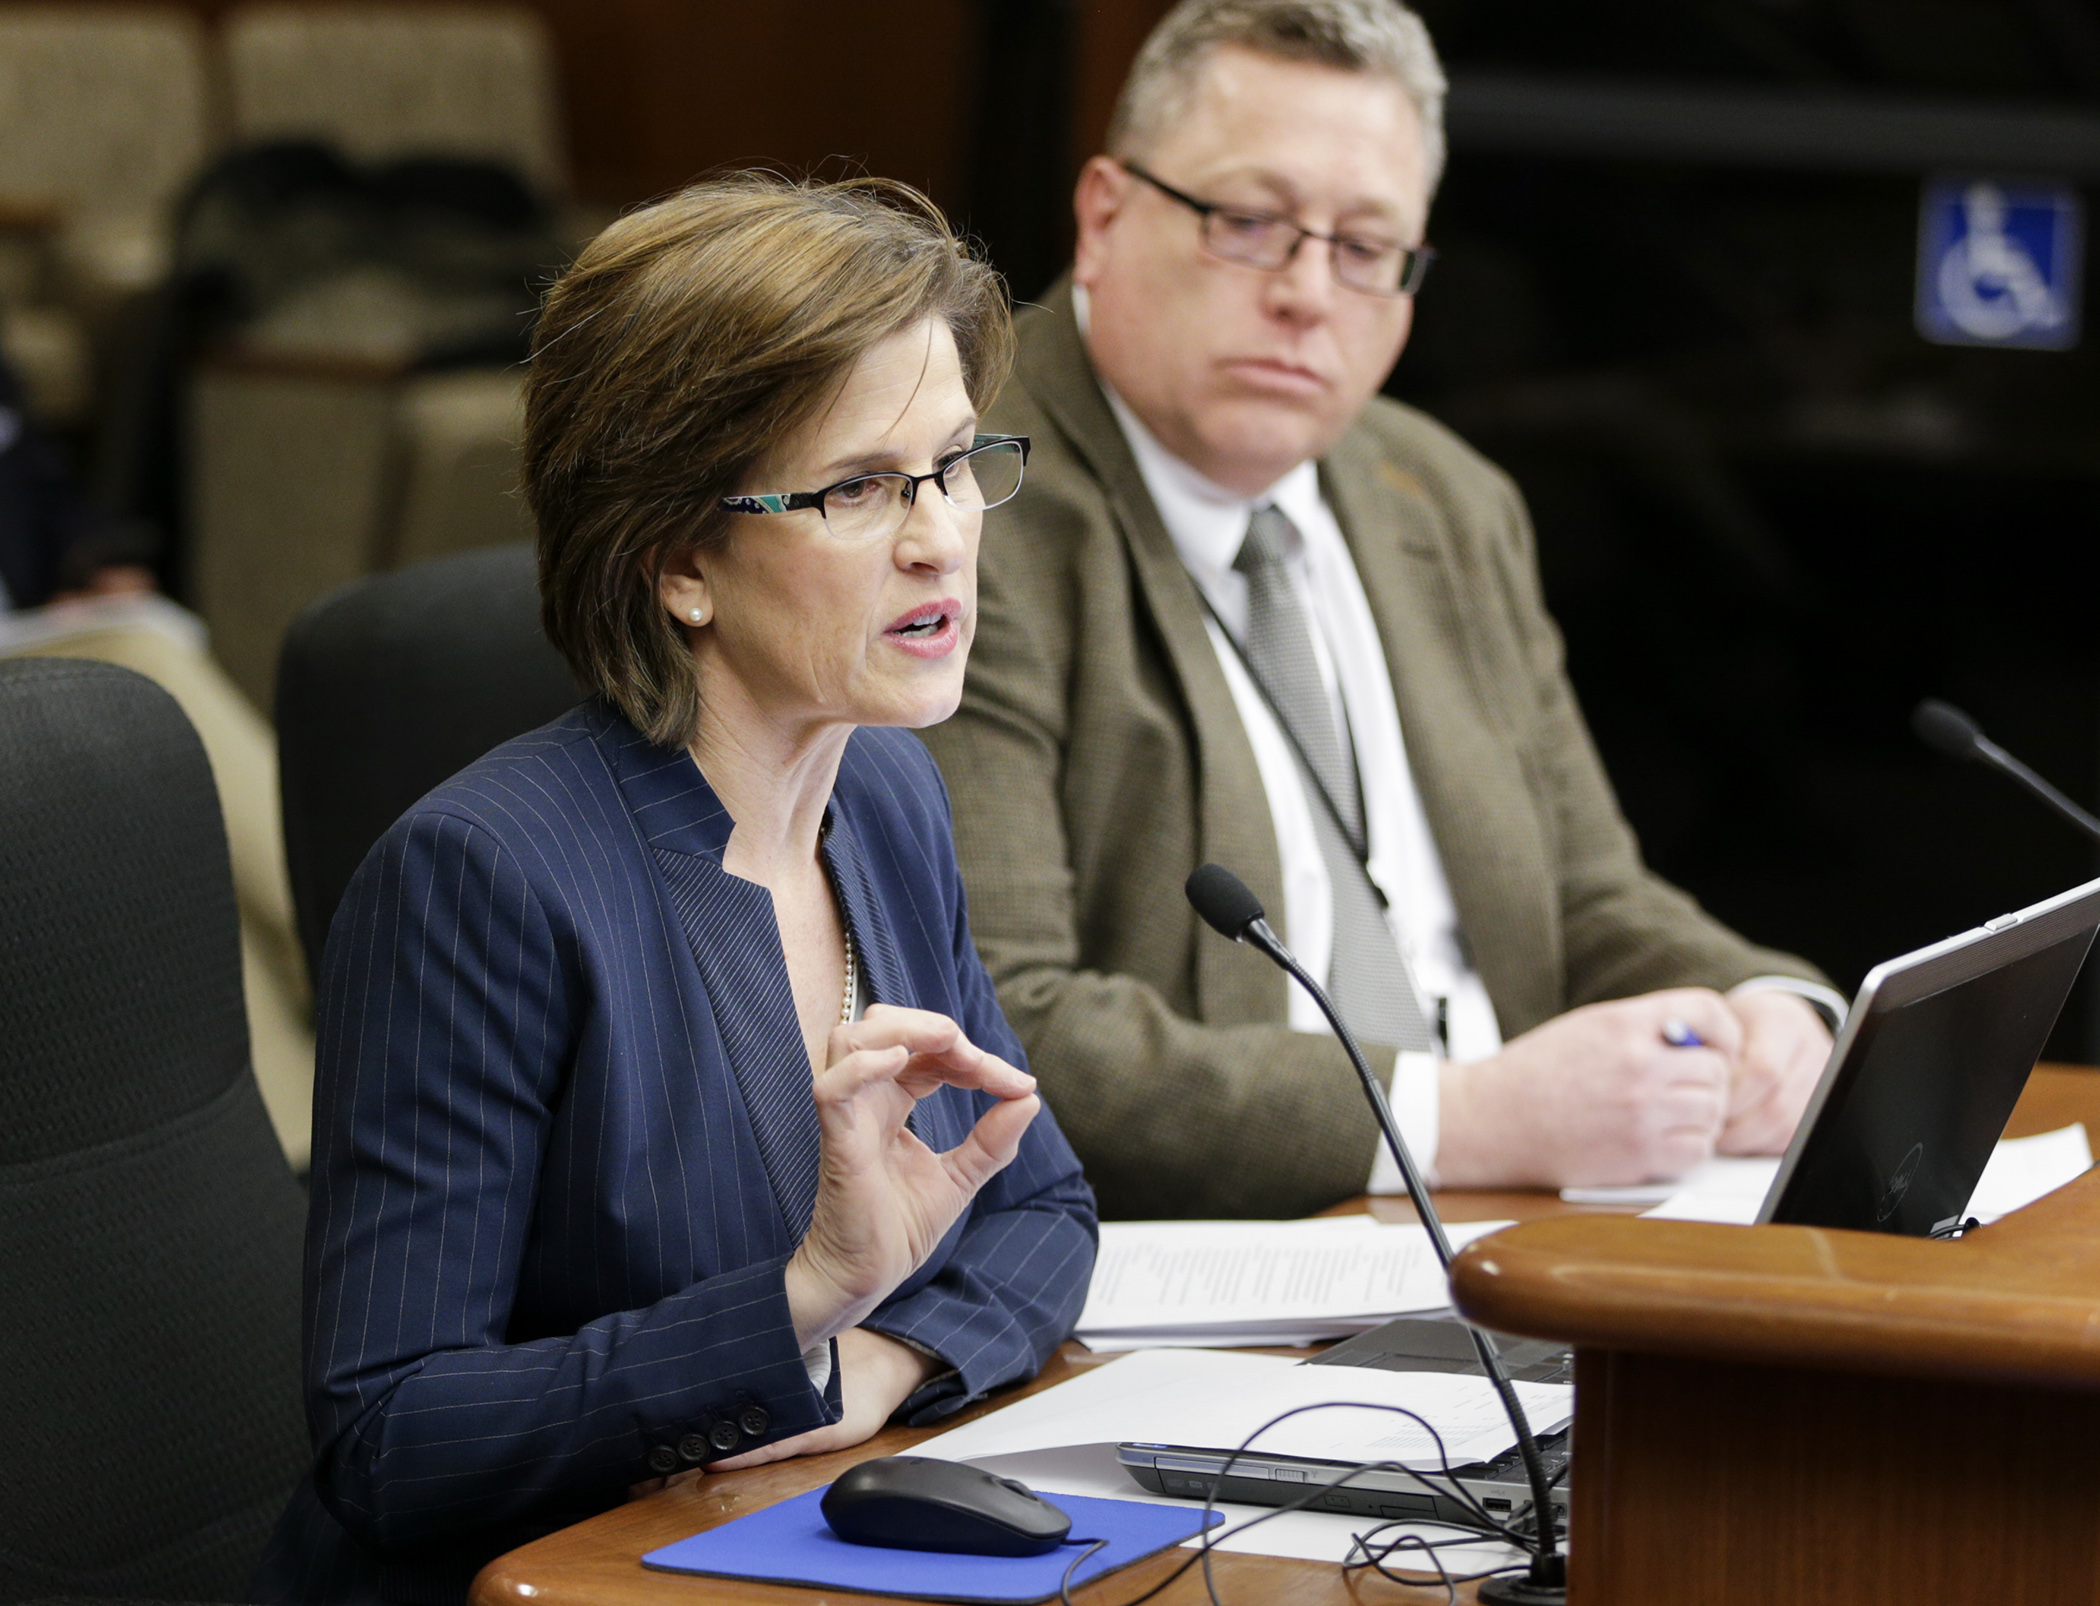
(1269, 241)
(870, 506)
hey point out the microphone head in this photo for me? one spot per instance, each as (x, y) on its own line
(1223, 900)
(1946, 729)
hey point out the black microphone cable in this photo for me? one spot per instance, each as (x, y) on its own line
(1231, 909)
(1443, 1481)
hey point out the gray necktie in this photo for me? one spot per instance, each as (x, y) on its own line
(1367, 977)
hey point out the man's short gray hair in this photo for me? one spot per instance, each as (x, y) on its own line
(1372, 36)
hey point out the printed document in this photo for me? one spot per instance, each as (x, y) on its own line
(1215, 1400)
(1238, 1283)
(2020, 1171)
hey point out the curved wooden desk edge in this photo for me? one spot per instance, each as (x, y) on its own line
(2016, 1302)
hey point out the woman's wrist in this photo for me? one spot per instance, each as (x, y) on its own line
(895, 1369)
(817, 1305)
(811, 1306)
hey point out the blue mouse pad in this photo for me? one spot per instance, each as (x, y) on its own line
(792, 1544)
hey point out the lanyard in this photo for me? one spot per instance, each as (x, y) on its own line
(1359, 846)
(1356, 847)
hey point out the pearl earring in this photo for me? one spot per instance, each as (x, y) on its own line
(695, 616)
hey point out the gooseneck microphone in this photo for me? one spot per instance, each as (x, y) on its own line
(1952, 734)
(1232, 910)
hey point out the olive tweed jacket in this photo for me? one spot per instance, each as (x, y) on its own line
(1098, 757)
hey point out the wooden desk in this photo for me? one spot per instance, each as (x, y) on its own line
(595, 1563)
(1800, 1415)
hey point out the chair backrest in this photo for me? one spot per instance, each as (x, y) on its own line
(392, 685)
(461, 433)
(105, 107)
(381, 81)
(150, 1230)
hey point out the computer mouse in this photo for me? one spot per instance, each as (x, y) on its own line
(913, 1502)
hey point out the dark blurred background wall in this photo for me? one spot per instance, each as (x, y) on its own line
(1674, 299)
(1771, 516)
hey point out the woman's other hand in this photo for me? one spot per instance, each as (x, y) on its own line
(884, 1199)
(876, 1375)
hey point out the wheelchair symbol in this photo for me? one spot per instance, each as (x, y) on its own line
(1990, 287)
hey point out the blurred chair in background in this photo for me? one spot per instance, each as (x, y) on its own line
(69, 589)
(393, 685)
(107, 115)
(150, 1245)
(308, 475)
(459, 487)
(352, 426)
(381, 81)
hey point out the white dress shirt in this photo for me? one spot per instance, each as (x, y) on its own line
(1208, 524)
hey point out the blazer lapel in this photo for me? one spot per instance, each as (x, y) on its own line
(735, 939)
(1229, 990)
(884, 979)
(882, 973)
(734, 936)
(1470, 776)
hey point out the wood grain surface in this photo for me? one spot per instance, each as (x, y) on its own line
(1709, 1483)
(1787, 1414)
(2017, 1302)
(597, 1562)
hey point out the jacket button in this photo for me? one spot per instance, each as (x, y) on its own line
(754, 1420)
(724, 1436)
(663, 1460)
(692, 1449)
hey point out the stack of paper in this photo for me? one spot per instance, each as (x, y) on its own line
(1203, 1400)
(1226, 1284)
(2021, 1170)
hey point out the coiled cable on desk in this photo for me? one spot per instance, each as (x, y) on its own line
(1443, 1481)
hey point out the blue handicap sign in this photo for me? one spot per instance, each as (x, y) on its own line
(2000, 264)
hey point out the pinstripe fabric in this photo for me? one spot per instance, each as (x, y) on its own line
(565, 1147)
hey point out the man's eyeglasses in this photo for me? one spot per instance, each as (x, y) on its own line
(869, 507)
(1265, 240)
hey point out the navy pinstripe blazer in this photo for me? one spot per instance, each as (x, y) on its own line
(565, 1145)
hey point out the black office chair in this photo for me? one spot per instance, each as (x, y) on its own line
(150, 1421)
(392, 685)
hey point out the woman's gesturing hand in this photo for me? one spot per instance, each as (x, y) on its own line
(884, 1199)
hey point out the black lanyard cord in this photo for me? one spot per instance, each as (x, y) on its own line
(1357, 846)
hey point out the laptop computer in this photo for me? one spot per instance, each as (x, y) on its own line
(1921, 1081)
(1925, 1074)
(1435, 1343)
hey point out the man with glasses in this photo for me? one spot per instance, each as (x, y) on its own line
(1245, 610)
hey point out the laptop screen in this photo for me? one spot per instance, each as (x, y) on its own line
(1927, 1073)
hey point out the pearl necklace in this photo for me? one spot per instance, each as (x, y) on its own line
(852, 984)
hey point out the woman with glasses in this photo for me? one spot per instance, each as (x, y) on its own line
(666, 1119)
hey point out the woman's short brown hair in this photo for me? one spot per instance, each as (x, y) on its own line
(690, 338)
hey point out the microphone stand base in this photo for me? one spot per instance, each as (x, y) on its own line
(1528, 1590)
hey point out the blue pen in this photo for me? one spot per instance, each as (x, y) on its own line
(1678, 1035)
